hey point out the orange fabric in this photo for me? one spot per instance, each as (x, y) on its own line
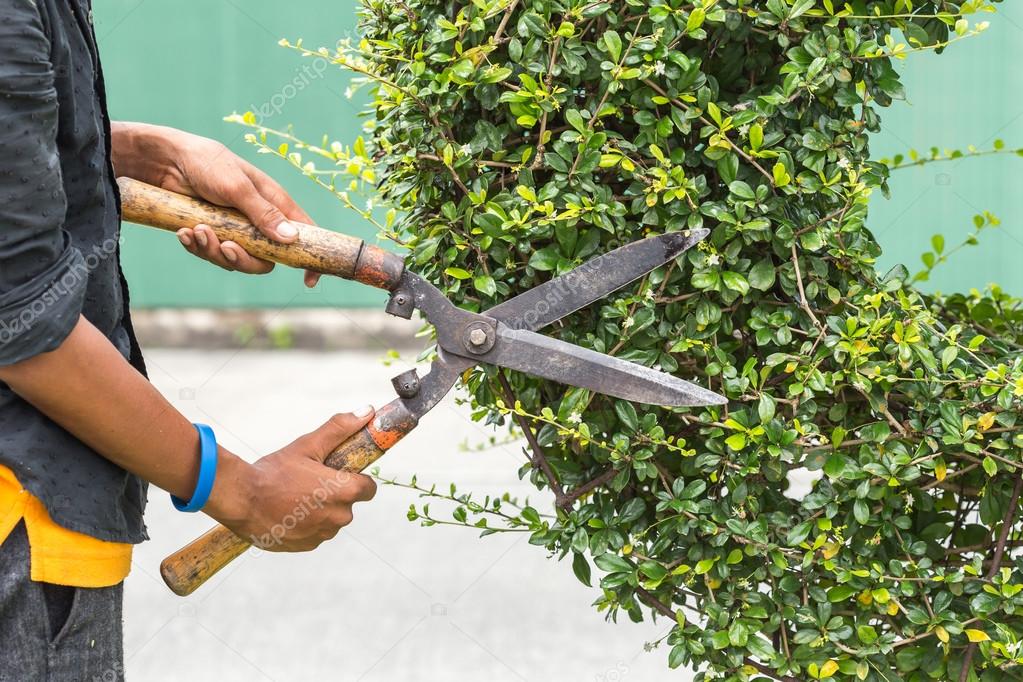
(59, 555)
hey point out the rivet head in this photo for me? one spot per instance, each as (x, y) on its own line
(478, 337)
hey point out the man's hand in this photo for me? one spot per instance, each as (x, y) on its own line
(290, 501)
(287, 501)
(201, 167)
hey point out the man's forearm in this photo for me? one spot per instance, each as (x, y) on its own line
(88, 388)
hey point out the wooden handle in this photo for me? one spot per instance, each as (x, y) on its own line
(317, 249)
(195, 563)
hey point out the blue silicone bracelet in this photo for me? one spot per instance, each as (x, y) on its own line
(207, 471)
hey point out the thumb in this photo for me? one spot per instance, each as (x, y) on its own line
(320, 443)
(268, 218)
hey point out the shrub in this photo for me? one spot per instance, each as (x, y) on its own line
(512, 139)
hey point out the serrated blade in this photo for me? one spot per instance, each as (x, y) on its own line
(592, 281)
(567, 363)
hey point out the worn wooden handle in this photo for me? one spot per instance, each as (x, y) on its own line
(317, 249)
(198, 561)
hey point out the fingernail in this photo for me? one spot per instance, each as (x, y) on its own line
(363, 411)
(200, 236)
(229, 254)
(286, 230)
(184, 239)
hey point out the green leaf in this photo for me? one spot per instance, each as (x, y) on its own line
(762, 274)
(799, 533)
(581, 568)
(781, 175)
(706, 280)
(990, 466)
(737, 441)
(612, 563)
(738, 634)
(677, 656)
(735, 281)
(576, 120)
(457, 273)
(866, 633)
(627, 414)
(720, 639)
(485, 284)
(695, 19)
(861, 512)
(545, 259)
(704, 566)
(741, 190)
(816, 140)
(756, 136)
(840, 593)
(715, 112)
(613, 41)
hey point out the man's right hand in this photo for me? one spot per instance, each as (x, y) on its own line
(289, 501)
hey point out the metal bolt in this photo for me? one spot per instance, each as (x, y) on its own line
(478, 337)
(406, 384)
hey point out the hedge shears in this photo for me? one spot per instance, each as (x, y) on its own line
(503, 336)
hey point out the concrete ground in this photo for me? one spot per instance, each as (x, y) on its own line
(387, 599)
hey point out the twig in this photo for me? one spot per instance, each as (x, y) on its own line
(802, 292)
(539, 458)
(504, 21)
(566, 501)
(996, 561)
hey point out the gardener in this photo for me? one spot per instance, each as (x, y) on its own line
(81, 429)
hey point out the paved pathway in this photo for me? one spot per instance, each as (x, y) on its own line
(387, 599)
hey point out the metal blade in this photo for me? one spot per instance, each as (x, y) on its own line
(574, 365)
(591, 281)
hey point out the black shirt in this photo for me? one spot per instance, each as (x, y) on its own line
(59, 253)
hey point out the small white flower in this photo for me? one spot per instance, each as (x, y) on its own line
(649, 294)
(713, 259)
(574, 418)
(744, 129)
(659, 68)
(843, 163)
(465, 149)
(628, 322)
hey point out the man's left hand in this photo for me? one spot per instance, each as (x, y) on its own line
(204, 168)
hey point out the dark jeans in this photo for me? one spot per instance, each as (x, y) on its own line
(54, 633)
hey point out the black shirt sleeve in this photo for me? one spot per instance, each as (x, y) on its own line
(42, 277)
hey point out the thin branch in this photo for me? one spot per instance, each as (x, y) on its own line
(539, 458)
(566, 501)
(804, 304)
(996, 561)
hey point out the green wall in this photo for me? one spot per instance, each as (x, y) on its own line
(971, 94)
(190, 62)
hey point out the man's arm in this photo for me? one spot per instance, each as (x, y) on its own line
(112, 408)
(58, 361)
